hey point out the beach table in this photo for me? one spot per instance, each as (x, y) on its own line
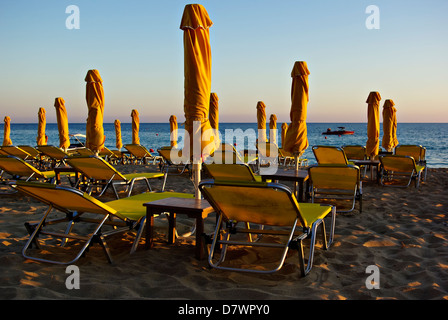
(371, 164)
(300, 178)
(65, 168)
(193, 208)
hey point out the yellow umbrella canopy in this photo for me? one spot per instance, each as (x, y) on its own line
(284, 129)
(7, 131)
(118, 142)
(95, 103)
(296, 138)
(197, 78)
(41, 123)
(61, 115)
(173, 131)
(373, 124)
(135, 126)
(261, 121)
(389, 125)
(214, 117)
(273, 128)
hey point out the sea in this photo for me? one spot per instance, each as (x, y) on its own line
(433, 136)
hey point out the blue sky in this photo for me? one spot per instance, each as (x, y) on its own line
(137, 47)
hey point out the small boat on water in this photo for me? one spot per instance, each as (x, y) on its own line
(339, 132)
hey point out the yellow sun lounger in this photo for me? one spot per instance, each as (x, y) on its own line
(17, 152)
(20, 169)
(57, 237)
(268, 204)
(140, 154)
(355, 152)
(167, 161)
(26, 153)
(399, 171)
(101, 173)
(56, 155)
(231, 172)
(416, 151)
(336, 184)
(330, 155)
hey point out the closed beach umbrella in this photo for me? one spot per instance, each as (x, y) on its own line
(173, 131)
(373, 124)
(61, 115)
(389, 126)
(7, 131)
(118, 142)
(135, 126)
(261, 121)
(41, 123)
(284, 129)
(197, 84)
(214, 117)
(273, 129)
(95, 104)
(296, 139)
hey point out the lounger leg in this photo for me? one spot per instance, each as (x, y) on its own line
(100, 239)
(164, 180)
(33, 236)
(138, 235)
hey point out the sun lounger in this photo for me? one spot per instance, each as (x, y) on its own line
(57, 237)
(231, 172)
(139, 154)
(269, 204)
(416, 151)
(354, 152)
(100, 173)
(56, 155)
(20, 169)
(167, 162)
(399, 171)
(330, 155)
(336, 184)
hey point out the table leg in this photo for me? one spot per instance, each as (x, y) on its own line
(300, 191)
(199, 245)
(171, 227)
(149, 229)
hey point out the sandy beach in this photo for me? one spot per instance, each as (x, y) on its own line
(404, 232)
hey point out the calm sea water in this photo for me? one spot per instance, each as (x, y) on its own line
(433, 136)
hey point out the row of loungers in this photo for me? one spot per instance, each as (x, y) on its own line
(243, 205)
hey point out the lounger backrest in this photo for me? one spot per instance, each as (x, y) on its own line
(106, 152)
(32, 151)
(65, 199)
(230, 172)
(165, 153)
(355, 152)
(254, 202)
(329, 155)
(402, 164)
(95, 168)
(415, 151)
(16, 151)
(85, 152)
(226, 153)
(138, 150)
(16, 166)
(53, 152)
(335, 177)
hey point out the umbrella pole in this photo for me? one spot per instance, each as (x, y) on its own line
(296, 163)
(197, 179)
